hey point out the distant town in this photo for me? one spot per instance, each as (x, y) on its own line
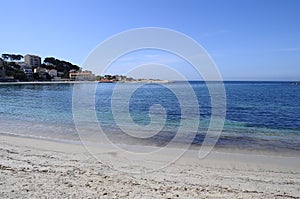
(30, 68)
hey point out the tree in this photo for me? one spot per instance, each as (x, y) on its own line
(20, 75)
(19, 57)
(5, 56)
(48, 66)
(50, 60)
(9, 73)
(60, 64)
(12, 57)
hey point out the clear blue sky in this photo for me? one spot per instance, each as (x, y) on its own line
(247, 39)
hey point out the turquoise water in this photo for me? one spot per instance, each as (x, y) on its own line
(260, 115)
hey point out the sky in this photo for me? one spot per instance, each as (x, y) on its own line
(246, 39)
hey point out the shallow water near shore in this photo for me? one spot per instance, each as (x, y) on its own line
(260, 115)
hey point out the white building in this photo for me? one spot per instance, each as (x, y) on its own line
(40, 70)
(82, 76)
(33, 60)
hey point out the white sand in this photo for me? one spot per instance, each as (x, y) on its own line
(31, 168)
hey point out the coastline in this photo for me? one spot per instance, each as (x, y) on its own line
(228, 149)
(36, 168)
(81, 82)
(48, 82)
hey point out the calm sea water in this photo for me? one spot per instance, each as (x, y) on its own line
(260, 115)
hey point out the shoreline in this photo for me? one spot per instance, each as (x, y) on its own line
(230, 149)
(48, 82)
(192, 151)
(40, 168)
(86, 82)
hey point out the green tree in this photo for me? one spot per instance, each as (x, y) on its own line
(9, 72)
(12, 57)
(19, 57)
(20, 75)
(50, 60)
(5, 57)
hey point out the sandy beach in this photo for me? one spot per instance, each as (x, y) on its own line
(33, 168)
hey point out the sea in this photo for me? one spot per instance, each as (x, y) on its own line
(259, 115)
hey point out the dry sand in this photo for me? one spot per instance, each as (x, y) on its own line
(31, 168)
